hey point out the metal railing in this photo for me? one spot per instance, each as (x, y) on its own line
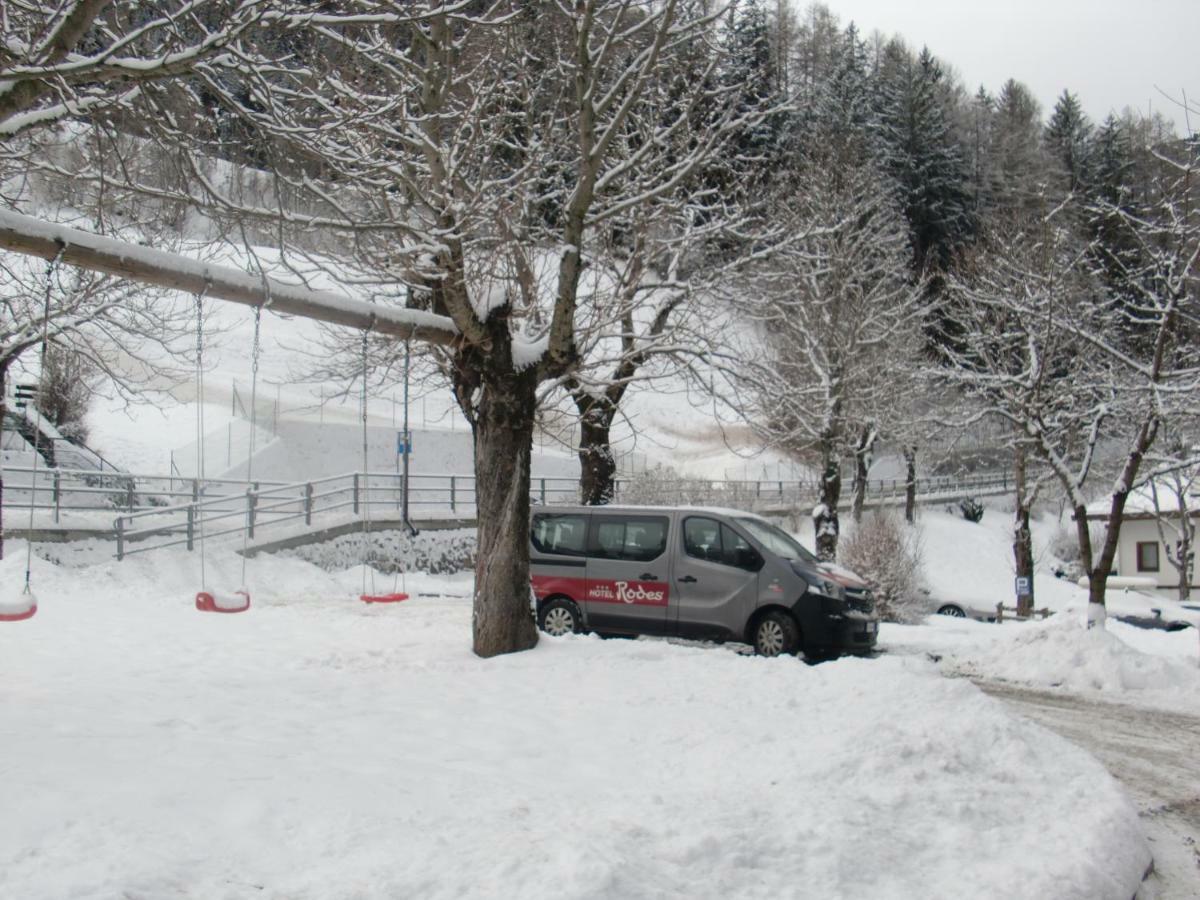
(167, 510)
(262, 505)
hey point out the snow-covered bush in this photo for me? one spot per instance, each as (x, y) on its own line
(886, 552)
(971, 508)
(435, 552)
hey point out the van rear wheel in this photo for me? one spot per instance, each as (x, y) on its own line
(776, 634)
(559, 617)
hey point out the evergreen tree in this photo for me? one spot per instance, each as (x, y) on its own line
(979, 155)
(750, 69)
(923, 155)
(1069, 142)
(1017, 158)
(838, 110)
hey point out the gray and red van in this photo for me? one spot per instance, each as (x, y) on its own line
(713, 574)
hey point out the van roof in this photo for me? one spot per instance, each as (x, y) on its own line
(646, 510)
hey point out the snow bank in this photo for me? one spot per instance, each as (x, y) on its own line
(1062, 653)
(315, 747)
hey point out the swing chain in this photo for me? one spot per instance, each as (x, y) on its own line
(200, 322)
(257, 343)
(51, 267)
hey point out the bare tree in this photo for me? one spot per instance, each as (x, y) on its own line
(471, 153)
(1012, 364)
(838, 318)
(437, 147)
(1172, 492)
(98, 319)
(1069, 365)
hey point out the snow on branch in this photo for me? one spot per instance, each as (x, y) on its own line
(34, 237)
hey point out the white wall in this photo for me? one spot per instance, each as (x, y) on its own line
(1135, 531)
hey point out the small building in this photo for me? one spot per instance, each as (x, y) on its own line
(1142, 550)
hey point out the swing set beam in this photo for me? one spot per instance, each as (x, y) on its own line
(33, 237)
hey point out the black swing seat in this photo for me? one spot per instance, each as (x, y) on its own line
(217, 602)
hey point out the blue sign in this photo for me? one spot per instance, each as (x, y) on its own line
(403, 443)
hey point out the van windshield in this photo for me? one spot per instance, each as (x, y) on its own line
(777, 540)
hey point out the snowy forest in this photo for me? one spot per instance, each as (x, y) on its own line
(819, 232)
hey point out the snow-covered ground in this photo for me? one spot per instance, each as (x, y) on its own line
(317, 747)
(972, 564)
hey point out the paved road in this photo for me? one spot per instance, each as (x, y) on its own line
(1155, 755)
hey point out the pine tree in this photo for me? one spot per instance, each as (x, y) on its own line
(1069, 142)
(1019, 169)
(839, 109)
(923, 155)
(979, 155)
(751, 70)
(1110, 198)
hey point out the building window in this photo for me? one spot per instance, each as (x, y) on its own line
(1147, 556)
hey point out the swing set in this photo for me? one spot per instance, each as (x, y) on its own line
(59, 244)
(239, 600)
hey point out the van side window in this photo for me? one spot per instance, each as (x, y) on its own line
(630, 538)
(736, 551)
(702, 539)
(711, 541)
(560, 535)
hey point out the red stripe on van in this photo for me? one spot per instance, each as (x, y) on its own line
(630, 593)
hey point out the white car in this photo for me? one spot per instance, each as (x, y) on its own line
(956, 609)
(1148, 610)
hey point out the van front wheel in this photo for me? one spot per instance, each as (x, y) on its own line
(559, 617)
(776, 634)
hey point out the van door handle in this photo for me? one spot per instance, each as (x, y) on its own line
(646, 576)
(687, 579)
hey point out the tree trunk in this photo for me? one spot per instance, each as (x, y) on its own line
(910, 484)
(1184, 548)
(502, 620)
(3, 413)
(862, 464)
(1022, 535)
(1099, 569)
(825, 514)
(597, 466)
(500, 403)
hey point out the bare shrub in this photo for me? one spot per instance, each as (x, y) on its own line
(666, 486)
(65, 391)
(887, 554)
(1064, 547)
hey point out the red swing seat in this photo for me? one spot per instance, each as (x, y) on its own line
(24, 607)
(212, 601)
(382, 598)
(20, 614)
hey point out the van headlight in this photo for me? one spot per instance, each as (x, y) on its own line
(824, 587)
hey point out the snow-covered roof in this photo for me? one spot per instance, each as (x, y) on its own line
(1140, 503)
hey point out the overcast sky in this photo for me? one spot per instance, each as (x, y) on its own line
(1112, 53)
